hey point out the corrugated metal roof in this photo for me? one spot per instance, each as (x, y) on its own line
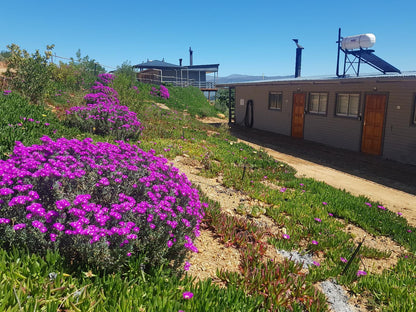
(312, 79)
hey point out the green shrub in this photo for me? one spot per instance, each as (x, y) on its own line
(21, 121)
(30, 74)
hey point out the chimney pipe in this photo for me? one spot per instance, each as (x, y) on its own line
(180, 62)
(190, 56)
(298, 65)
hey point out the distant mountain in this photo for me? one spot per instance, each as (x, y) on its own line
(244, 78)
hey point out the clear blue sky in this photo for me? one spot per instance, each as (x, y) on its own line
(244, 37)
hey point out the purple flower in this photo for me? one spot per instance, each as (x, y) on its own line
(6, 191)
(399, 214)
(368, 204)
(19, 226)
(187, 295)
(316, 263)
(62, 204)
(314, 242)
(343, 260)
(381, 207)
(52, 237)
(187, 266)
(7, 92)
(330, 214)
(283, 189)
(286, 236)
(360, 273)
(324, 203)
(318, 220)
(59, 226)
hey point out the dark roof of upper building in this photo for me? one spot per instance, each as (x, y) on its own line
(162, 64)
(155, 64)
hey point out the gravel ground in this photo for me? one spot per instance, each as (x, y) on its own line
(336, 296)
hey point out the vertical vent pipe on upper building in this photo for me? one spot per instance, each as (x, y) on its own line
(190, 57)
(180, 62)
(298, 65)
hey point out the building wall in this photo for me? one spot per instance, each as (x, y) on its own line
(399, 135)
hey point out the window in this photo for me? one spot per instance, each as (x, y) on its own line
(348, 104)
(318, 103)
(275, 100)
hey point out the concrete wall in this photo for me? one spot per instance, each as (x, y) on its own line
(399, 136)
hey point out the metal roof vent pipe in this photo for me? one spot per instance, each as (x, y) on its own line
(180, 62)
(190, 56)
(298, 65)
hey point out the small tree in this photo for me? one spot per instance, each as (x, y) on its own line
(126, 69)
(30, 74)
(223, 99)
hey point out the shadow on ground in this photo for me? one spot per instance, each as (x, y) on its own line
(373, 168)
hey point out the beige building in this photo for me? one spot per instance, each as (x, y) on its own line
(373, 114)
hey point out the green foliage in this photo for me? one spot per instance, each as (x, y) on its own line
(21, 121)
(32, 283)
(4, 55)
(222, 101)
(30, 74)
(394, 289)
(77, 75)
(190, 99)
(88, 67)
(131, 94)
(126, 69)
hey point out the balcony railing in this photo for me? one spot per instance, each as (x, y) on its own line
(176, 81)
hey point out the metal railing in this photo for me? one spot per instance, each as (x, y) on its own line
(176, 81)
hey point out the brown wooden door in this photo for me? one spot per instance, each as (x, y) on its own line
(298, 114)
(375, 106)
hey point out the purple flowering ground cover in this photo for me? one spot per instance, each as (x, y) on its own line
(86, 199)
(98, 203)
(103, 115)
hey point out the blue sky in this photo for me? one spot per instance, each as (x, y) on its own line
(244, 37)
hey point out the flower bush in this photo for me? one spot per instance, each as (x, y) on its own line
(97, 204)
(162, 92)
(103, 113)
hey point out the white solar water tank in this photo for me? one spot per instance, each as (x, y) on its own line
(358, 42)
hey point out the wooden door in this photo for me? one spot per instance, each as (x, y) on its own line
(298, 114)
(372, 138)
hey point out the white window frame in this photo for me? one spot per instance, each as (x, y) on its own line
(275, 100)
(349, 111)
(322, 103)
